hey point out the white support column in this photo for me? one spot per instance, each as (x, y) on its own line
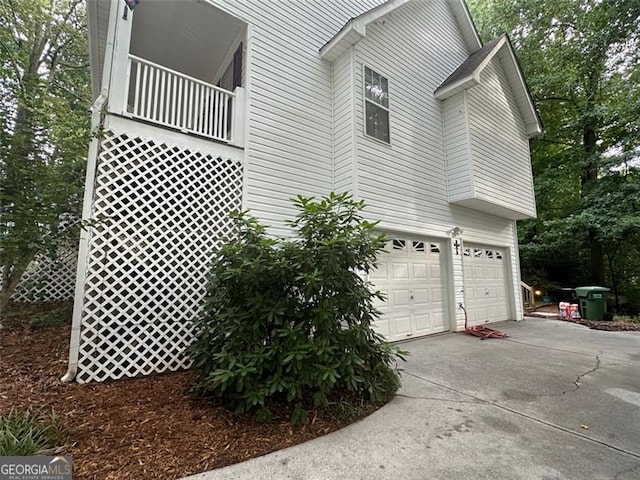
(514, 256)
(119, 81)
(457, 258)
(238, 118)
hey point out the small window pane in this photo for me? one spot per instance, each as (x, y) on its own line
(435, 248)
(489, 253)
(467, 252)
(399, 244)
(498, 254)
(477, 252)
(418, 246)
(377, 122)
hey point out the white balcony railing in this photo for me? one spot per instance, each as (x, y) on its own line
(160, 95)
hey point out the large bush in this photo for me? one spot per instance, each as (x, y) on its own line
(291, 319)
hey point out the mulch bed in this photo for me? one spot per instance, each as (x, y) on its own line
(610, 326)
(138, 428)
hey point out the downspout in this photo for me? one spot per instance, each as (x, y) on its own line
(97, 119)
(85, 234)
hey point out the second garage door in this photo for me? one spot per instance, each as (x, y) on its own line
(411, 277)
(486, 284)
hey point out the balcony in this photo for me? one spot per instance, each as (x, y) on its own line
(175, 100)
(179, 66)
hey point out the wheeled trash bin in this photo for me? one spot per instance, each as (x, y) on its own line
(593, 302)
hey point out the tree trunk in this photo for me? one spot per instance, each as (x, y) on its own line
(589, 177)
(10, 279)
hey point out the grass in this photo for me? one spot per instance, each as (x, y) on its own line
(26, 433)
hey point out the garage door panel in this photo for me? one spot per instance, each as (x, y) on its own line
(400, 298)
(420, 271)
(378, 303)
(422, 323)
(421, 297)
(437, 295)
(410, 272)
(380, 273)
(485, 284)
(400, 271)
(382, 326)
(400, 326)
(436, 273)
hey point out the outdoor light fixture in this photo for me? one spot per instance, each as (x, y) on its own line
(456, 231)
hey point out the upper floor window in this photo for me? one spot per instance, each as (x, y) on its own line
(376, 100)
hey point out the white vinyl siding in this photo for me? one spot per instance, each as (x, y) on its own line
(343, 123)
(290, 126)
(499, 144)
(457, 148)
(404, 183)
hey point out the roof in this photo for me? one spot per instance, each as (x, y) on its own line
(467, 75)
(356, 28)
(469, 66)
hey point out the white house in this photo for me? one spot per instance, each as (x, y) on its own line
(204, 106)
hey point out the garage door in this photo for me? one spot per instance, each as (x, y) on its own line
(410, 275)
(486, 283)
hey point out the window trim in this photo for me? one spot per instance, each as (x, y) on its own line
(365, 100)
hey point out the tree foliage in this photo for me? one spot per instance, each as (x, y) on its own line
(291, 320)
(582, 63)
(44, 129)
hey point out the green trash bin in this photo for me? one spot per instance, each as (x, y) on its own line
(593, 302)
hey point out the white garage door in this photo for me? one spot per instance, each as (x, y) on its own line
(485, 281)
(410, 275)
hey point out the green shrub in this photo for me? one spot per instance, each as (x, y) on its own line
(291, 319)
(25, 433)
(55, 318)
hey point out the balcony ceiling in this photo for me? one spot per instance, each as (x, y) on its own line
(188, 36)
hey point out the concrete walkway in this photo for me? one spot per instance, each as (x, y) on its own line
(555, 401)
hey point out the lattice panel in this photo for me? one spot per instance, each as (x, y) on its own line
(48, 280)
(160, 211)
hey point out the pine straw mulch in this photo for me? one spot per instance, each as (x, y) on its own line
(138, 428)
(609, 326)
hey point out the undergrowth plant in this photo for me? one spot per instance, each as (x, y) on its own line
(26, 433)
(291, 320)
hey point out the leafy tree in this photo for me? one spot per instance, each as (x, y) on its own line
(582, 62)
(44, 129)
(290, 320)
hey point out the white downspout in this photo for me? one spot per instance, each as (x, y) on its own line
(89, 188)
(85, 235)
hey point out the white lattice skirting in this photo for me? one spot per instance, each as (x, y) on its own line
(160, 211)
(48, 279)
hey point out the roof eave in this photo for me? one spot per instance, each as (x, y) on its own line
(532, 120)
(450, 90)
(356, 28)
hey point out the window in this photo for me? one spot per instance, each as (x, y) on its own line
(376, 101)
(399, 244)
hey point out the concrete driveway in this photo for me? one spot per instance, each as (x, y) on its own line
(553, 401)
